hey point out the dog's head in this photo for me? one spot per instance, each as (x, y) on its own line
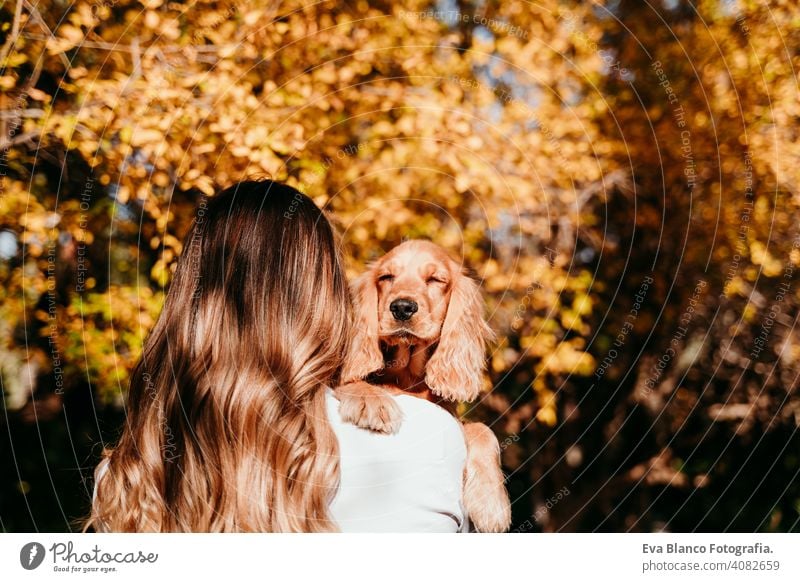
(417, 295)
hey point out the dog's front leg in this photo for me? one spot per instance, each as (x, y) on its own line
(369, 406)
(485, 497)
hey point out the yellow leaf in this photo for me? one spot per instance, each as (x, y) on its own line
(143, 136)
(70, 33)
(151, 19)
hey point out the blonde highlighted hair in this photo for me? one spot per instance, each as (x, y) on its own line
(226, 425)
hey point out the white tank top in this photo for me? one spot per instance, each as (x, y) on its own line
(406, 482)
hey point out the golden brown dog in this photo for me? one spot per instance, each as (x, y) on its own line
(421, 330)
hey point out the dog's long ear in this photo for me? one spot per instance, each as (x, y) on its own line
(455, 369)
(365, 354)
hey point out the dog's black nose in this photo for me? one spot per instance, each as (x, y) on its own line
(403, 309)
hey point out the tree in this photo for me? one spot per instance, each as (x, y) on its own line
(538, 142)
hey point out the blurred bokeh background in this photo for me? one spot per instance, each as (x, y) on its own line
(622, 175)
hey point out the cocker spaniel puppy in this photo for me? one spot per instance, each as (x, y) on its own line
(421, 330)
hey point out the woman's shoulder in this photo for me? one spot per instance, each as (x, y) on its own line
(427, 414)
(425, 426)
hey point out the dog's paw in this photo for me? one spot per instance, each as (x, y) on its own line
(372, 409)
(455, 391)
(487, 505)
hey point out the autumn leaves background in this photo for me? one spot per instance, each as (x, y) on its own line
(621, 175)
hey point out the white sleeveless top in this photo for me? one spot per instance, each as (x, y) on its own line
(410, 481)
(406, 482)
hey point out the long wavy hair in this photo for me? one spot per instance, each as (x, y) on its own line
(226, 424)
